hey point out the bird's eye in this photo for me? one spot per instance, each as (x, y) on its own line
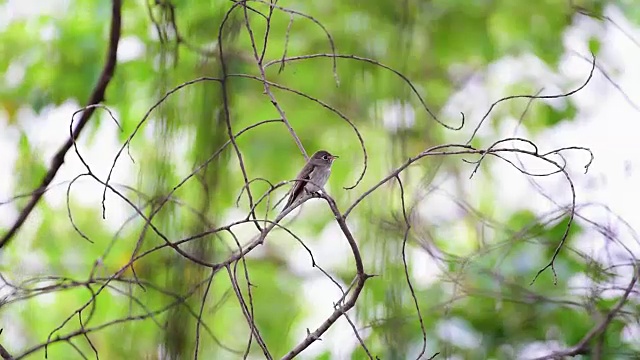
(325, 157)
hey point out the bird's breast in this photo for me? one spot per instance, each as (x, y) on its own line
(318, 178)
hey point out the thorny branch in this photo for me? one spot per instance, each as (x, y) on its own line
(238, 251)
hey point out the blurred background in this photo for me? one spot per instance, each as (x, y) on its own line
(459, 283)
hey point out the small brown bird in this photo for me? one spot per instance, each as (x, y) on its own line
(313, 176)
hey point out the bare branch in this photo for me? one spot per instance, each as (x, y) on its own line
(97, 96)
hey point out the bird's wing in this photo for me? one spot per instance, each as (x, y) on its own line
(301, 180)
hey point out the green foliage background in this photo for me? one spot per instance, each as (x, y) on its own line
(483, 287)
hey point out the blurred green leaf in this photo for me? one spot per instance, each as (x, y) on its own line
(594, 45)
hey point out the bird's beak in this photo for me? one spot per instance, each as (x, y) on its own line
(333, 157)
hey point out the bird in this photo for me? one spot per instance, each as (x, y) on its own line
(312, 177)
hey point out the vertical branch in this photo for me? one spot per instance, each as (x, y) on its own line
(361, 278)
(199, 318)
(267, 88)
(227, 115)
(245, 312)
(267, 30)
(406, 268)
